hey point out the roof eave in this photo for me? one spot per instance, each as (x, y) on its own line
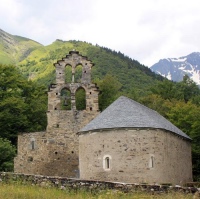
(82, 132)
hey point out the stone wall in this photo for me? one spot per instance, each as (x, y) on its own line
(95, 186)
(56, 152)
(135, 156)
(54, 96)
(74, 59)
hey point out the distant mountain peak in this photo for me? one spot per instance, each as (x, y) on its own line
(175, 68)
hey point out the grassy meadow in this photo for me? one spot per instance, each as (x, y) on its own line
(17, 191)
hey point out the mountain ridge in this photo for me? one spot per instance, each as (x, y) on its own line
(175, 68)
(15, 48)
(35, 62)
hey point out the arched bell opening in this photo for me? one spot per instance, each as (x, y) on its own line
(68, 73)
(65, 101)
(78, 73)
(80, 97)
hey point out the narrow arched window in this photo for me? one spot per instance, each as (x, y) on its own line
(65, 99)
(68, 74)
(107, 162)
(151, 162)
(80, 97)
(32, 144)
(78, 73)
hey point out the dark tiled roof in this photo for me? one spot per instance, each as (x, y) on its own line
(124, 113)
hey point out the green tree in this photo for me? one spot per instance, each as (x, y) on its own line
(165, 89)
(35, 98)
(109, 87)
(12, 105)
(7, 153)
(12, 117)
(186, 89)
(186, 117)
(22, 104)
(157, 103)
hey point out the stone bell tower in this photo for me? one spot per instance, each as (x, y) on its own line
(64, 124)
(56, 151)
(73, 60)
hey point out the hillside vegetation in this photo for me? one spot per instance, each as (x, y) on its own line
(22, 87)
(13, 48)
(38, 65)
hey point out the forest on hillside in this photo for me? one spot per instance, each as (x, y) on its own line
(23, 94)
(38, 65)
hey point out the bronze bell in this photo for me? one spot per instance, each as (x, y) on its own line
(65, 101)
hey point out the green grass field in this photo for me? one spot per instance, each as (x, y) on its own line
(17, 191)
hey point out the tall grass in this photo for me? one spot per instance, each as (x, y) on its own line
(17, 191)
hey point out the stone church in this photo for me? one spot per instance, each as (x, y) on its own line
(127, 142)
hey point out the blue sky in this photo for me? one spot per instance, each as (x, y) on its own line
(145, 30)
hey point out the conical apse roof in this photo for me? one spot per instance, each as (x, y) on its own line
(127, 113)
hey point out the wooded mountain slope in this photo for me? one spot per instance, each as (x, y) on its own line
(13, 48)
(38, 65)
(35, 62)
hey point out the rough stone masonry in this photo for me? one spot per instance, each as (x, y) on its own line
(55, 152)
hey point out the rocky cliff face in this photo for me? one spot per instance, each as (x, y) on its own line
(175, 68)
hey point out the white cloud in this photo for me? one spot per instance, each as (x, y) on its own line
(145, 30)
(10, 12)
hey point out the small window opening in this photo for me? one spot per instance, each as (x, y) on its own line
(90, 93)
(78, 73)
(57, 125)
(107, 161)
(56, 93)
(56, 152)
(85, 71)
(68, 74)
(32, 144)
(30, 159)
(55, 108)
(151, 163)
(91, 108)
(72, 151)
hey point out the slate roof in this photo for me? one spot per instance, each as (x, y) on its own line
(125, 113)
